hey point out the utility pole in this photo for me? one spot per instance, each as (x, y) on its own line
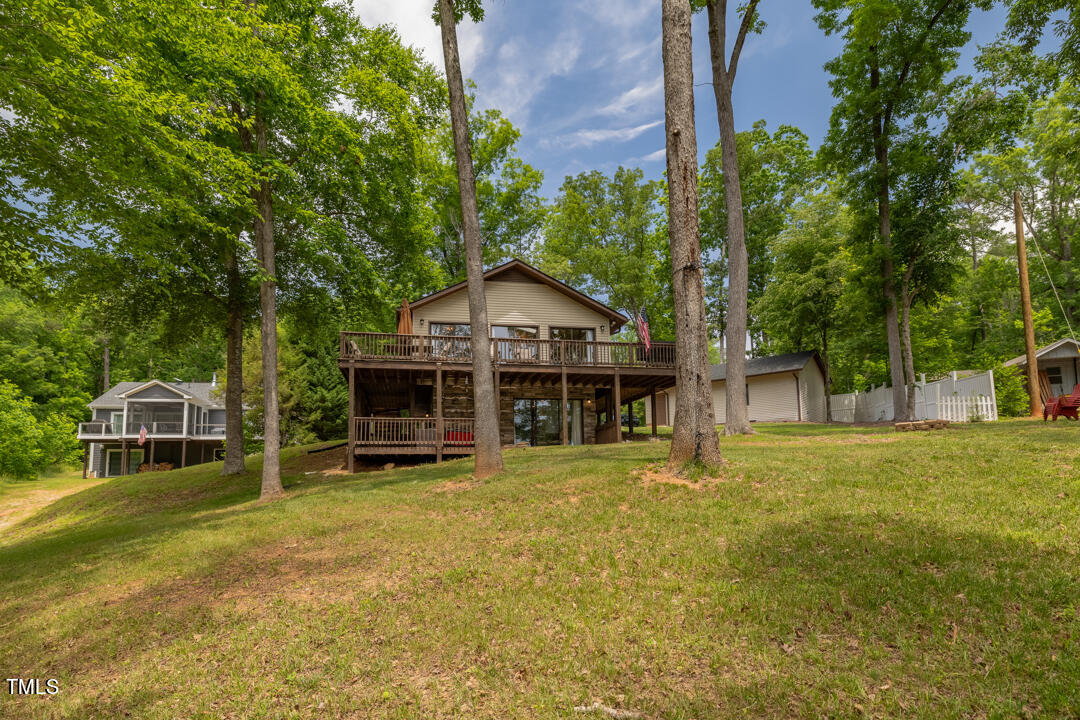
(1025, 302)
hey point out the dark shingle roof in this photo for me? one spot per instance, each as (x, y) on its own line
(204, 394)
(768, 365)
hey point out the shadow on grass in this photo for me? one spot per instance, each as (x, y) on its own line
(887, 616)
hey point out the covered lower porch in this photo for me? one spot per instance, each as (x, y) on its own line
(127, 457)
(429, 411)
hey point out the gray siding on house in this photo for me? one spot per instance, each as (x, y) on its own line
(155, 392)
(216, 417)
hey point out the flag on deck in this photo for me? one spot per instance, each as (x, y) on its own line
(142, 434)
(643, 329)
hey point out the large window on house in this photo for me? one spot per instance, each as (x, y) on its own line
(577, 352)
(452, 341)
(538, 421)
(516, 343)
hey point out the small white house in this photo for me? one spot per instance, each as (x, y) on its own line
(780, 388)
(1059, 362)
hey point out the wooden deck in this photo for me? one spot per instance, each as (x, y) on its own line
(377, 348)
(412, 436)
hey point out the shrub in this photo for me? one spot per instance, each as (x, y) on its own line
(1010, 388)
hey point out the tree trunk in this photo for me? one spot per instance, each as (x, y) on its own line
(909, 360)
(265, 252)
(234, 369)
(488, 454)
(737, 420)
(105, 380)
(694, 437)
(892, 324)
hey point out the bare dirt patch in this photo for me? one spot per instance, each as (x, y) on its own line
(658, 474)
(455, 486)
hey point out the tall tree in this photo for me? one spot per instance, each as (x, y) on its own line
(775, 170)
(488, 457)
(801, 306)
(737, 420)
(507, 194)
(895, 52)
(694, 438)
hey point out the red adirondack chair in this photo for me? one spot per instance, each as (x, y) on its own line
(1066, 405)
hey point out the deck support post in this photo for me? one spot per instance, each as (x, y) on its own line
(151, 454)
(438, 414)
(350, 456)
(85, 458)
(498, 402)
(618, 408)
(630, 414)
(124, 457)
(183, 452)
(652, 399)
(565, 411)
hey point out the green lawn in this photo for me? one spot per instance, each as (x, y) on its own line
(831, 571)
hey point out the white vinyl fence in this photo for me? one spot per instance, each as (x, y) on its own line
(957, 398)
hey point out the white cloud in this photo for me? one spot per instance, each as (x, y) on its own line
(588, 138)
(646, 95)
(660, 154)
(521, 70)
(412, 18)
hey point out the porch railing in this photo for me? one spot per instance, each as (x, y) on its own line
(509, 351)
(156, 428)
(412, 432)
(99, 428)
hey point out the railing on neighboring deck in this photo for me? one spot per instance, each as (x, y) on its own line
(509, 351)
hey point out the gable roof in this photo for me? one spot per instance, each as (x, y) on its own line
(791, 362)
(200, 393)
(1022, 359)
(515, 269)
(150, 384)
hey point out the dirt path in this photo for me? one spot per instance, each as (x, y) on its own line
(19, 501)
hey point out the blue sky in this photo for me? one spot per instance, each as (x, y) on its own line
(582, 79)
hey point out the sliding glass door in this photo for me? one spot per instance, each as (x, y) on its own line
(538, 421)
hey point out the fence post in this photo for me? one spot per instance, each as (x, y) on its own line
(993, 394)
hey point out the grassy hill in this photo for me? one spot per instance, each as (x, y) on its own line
(831, 571)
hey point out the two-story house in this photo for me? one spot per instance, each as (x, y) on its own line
(559, 378)
(184, 423)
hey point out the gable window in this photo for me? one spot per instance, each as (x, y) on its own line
(579, 348)
(516, 343)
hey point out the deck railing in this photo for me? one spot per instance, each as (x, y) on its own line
(509, 351)
(104, 429)
(98, 428)
(412, 432)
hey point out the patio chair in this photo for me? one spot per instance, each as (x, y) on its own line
(1065, 405)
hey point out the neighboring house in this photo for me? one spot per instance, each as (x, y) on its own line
(185, 425)
(1059, 366)
(559, 378)
(778, 388)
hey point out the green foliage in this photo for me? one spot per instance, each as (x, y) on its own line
(29, 444)
(507, 193)
(1010, 389)
(775, 170)
(606, 236)
(800, 307)
(312, 395)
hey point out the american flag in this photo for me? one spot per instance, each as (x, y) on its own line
(643, 329)
(142, 434)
